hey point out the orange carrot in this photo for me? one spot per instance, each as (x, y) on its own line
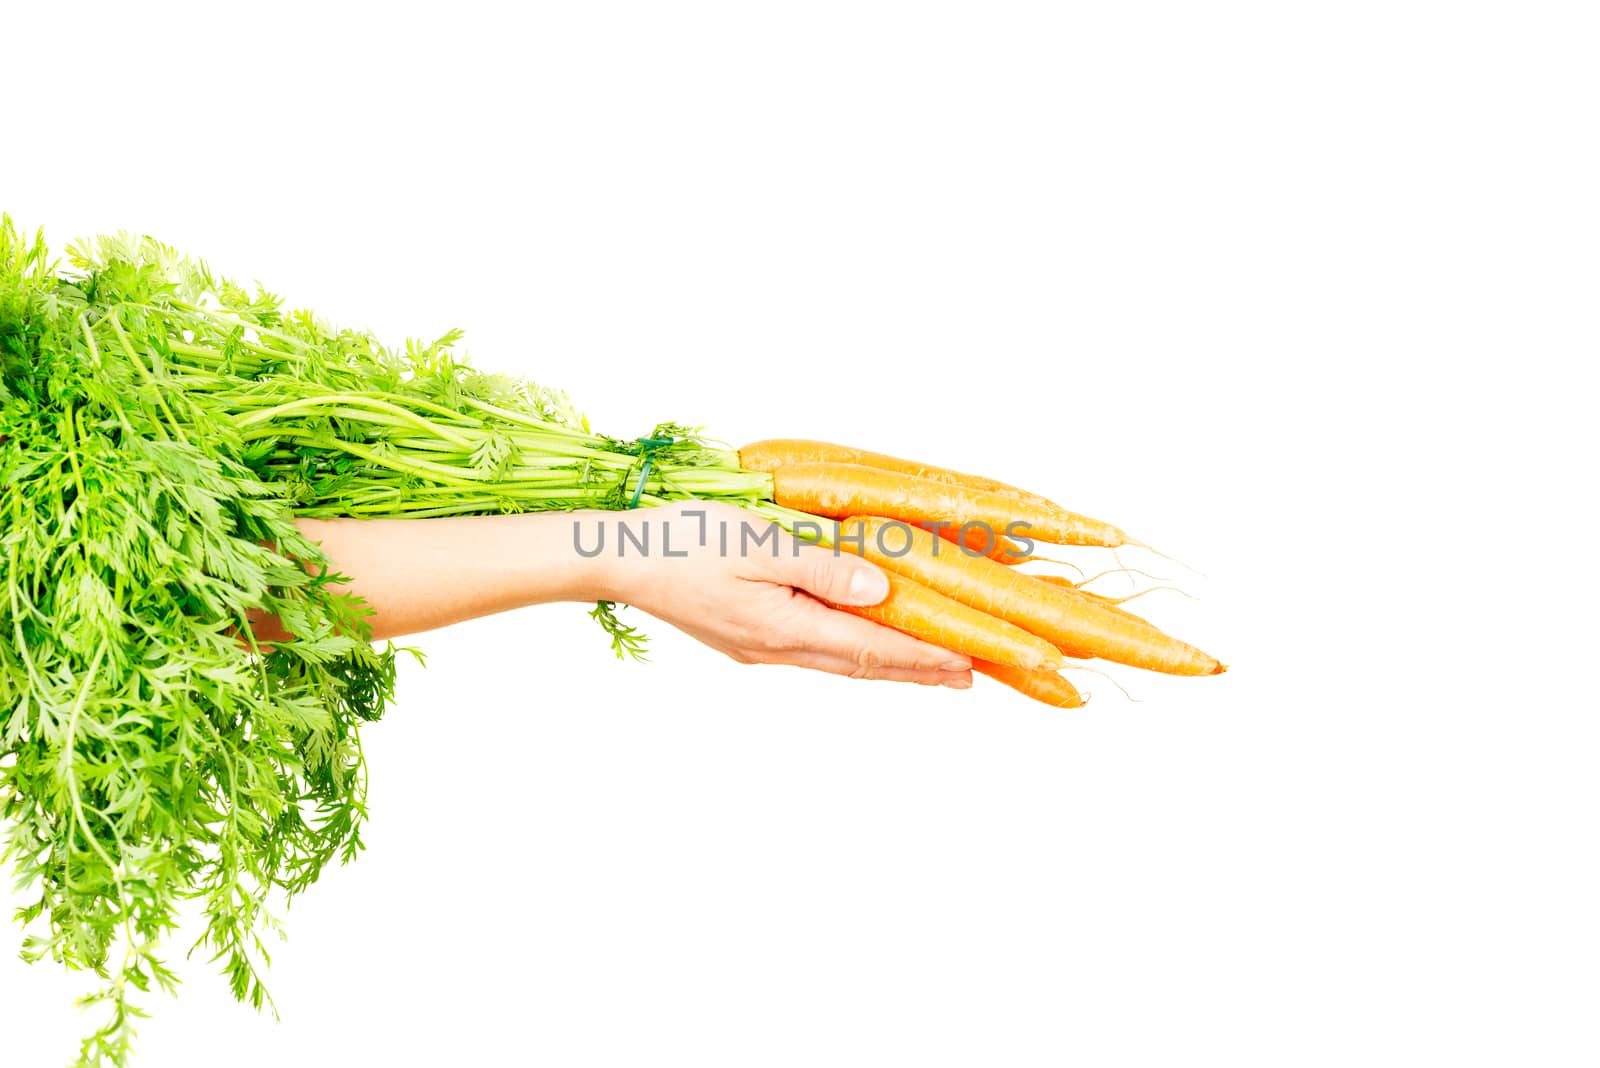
(769, 455)
(1078, 625)
(933, 617)
(985, 540)
(840, 490)
(1046, 686)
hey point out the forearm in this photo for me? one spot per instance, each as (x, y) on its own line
(420, 574)
(768, 605)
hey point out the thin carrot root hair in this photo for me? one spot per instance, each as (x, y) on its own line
(1104, 675)
(1132, 585)
(1152, 589)
(1035, 558)
(1165, 556)
(1058, 580)
(1122, 571)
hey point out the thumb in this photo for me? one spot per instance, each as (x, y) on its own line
(832, 576)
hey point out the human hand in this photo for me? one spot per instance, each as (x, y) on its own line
(759, 602)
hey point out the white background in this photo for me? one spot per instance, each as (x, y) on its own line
(1304, 294)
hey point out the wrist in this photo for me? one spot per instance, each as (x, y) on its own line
(575, 561)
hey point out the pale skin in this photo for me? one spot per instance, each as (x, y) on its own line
(756, 606)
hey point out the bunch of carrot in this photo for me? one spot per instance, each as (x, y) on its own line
(953, 579)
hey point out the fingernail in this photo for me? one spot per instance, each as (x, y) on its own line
(955, 665)
(868, 586)
(959, 684)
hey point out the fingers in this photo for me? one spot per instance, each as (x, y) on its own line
(816, 636)
(837, 577)
(852, 668)
(869, 648)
